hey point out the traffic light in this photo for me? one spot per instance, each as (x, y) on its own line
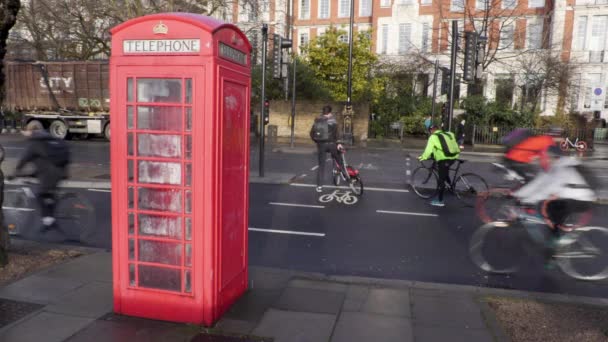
(481, 53)
(470, 56)
(266, 114)
(278, 44)
(445, 80)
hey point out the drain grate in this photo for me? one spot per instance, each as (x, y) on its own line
(11, 310)
(203, 337)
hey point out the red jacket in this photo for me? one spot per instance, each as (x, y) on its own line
(530, 149)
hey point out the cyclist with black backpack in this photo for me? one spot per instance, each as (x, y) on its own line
(443, 148)
(324, 132)
(50, 157)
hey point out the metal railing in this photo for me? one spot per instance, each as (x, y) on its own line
(492, 135)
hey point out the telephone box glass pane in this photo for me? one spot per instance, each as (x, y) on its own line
(188, 119)
(188, 201)
(130, 144)
(188, 228)
(161, 226)
(160, 199)
(188, 146)
(188, 174)
(129, 90)
(187, 281)
(130, 170)
(189, 90)
(131, 224)
(159, 172)
(160, 278)
(159, 118)
(168, 253)
(131, 250)
(130, 198)
(130, 117)
(159, 145)
(188, 255)
(132, 275)
(159, 90)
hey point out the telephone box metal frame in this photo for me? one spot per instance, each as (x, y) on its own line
(180, 101)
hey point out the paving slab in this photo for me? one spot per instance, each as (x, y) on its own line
(435, 333)
(268, 279)
(362, 326)
(87, 268)
(392, 302)
(235, 326)
(252, 305)
(318, 285)
(45, 326)
(454, 312)
(356, 295)
(310, 300)
(92, 300)
(288, 326)
(39, 289)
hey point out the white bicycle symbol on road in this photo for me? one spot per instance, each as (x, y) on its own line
(341, 197)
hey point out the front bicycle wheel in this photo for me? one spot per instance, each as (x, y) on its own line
(356, 185)
(581, 146)
(495, 248)
(496, 205)
(75, 217)
(468, 186)
(581, 254)
(424, 182)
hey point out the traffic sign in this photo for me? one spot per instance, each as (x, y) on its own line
(598, 96)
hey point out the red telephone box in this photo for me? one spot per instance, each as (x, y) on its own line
(180, 89)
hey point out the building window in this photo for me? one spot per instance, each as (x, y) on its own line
(597, 40)
(536, 3)
(505, 87)
(506, 37)
(426, 2)
(385, 3)
(457, 6)
(581, 33)
(425, 37)
(344, 37)
(405, 33)
(384, 47)
(405, 2)
(481, 5)
(592, 81)
(365, 8)
(344, 8)
(509, 4)
(535, 35)
(302, 40)
(304, 9)
(323, 9)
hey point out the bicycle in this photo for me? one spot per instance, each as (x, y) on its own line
(74, 214)
(579, 145)
(466, 186)
(340, 197)
(350, 175)
(495, 248)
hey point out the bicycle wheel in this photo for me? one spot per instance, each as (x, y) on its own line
(582, 256)
(468, 186)
(581, 146)
(326, 198)
(356, 185)
(336, 176)
(496, 205)
(564, 146)
(75, 217)
(495, 248)
(19, 210)
(424, 182)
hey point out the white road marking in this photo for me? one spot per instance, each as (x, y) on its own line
(297, 205)
(99, 190)
(290, 232)
(18, 209)
(347, 188)
(314, 168)
(405, 213)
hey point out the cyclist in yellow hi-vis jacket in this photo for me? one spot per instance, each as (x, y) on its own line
(443, 148)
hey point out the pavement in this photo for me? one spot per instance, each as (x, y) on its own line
(73, 302)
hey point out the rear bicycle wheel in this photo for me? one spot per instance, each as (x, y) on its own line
(424, 182)
(468, 187)
(495, 248)
(19, 209)
(75, 217)
(582, 255)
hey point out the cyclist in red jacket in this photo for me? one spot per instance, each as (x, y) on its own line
(521, 154)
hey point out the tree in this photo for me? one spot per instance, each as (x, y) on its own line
(327, 58)
(8, 16)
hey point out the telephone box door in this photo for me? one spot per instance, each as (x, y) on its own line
(156, 147)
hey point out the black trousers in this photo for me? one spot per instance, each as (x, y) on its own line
(322, 150)
(443, 169)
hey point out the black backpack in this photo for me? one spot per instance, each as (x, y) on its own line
(58, 152)
(320, 130)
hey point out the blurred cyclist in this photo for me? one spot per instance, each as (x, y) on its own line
(50, 157)
(324, 132)
(524, 148)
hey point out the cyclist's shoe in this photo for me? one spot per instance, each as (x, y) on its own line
(319, 189)
(48, 221)
(437, 203)
(561, 241)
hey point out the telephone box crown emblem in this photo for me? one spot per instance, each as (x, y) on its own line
(160, 28)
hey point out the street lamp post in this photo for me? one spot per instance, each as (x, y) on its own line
(348, 111)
